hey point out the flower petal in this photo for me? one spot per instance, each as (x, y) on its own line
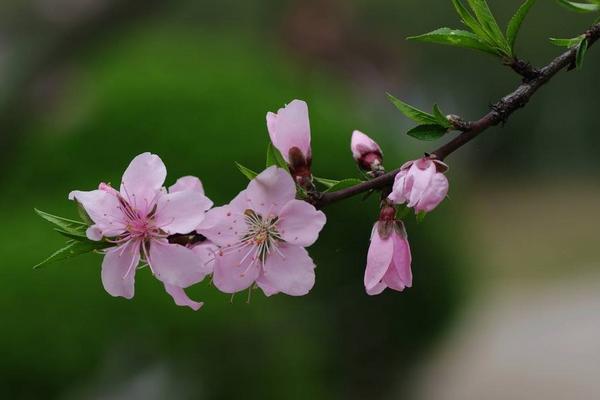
(291, 272)
(235, 269)
(181, 212)
(143, 180)
(206, 251)
(379, 259)
(223, 226)
(187, 183)
(175, 264)
(118, 269)
(289, 128)
(400, 192)
(181, 298)
(103, 208)
(270, 191)
(402, 258)
(265, 286)
(361, 144)
(419, 179)
(434, 194)
(300, 223)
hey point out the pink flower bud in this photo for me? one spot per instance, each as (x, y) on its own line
(365, 151)
(389, 258)
(289, 130)
(421, 184)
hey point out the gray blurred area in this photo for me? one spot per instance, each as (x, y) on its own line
(505, 298)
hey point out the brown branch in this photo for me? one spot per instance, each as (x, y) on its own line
(499, 113)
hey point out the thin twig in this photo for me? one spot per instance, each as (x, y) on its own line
(499, 113)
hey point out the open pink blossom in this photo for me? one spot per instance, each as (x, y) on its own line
(138, 219)
(365, 151)
(421, 184)
(388, 259)
(262, 235)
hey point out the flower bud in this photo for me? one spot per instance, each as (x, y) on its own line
(420, 184)
(366, 152)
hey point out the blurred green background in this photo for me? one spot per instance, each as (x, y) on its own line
(87, 85)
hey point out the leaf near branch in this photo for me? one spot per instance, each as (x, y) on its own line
(516, 21)
(427, 132)
(580, 7)
(456, 38)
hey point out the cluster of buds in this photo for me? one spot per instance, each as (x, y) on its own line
(258, 239)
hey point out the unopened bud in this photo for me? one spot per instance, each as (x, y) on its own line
(366, 152)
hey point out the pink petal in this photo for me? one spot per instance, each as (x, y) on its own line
(291, 272)
(379, 259)
(377, 289)
(434, 194)
(103, 208)
(362, 144)
(181, 212)
(420, 175)
(206, 252)
(399, 194)
(265, 286)
(289, 128)
(223, 226)
(300, 223)
(143, 180)
(175, 264)
(181, 298)
(94, 233)
(235, 270)
(270, 191)
(118, 269)
(187, 183)
(402, 259)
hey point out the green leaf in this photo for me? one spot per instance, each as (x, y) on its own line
(469, 20)
(440, 118)
(581, 51)
(65, 224)
(73, 249)
(326, 182)
(421, 216)
(573, 42)
(579, 7)
(274, 157)
(516, 21)
(457, 38)
(81, 236)
(247, 172)
(344, 184)
(413, 113)
(489, 24)
(427, 132)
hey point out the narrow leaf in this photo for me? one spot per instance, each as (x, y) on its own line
(73, 249)
(428, 132)
(516, 21)
(573, 42)
(440, 118)
(456, 38)
(247, 172)
(490, 25)
(469, 20)
(274, 157)
(579, 7)
(411, 112)
(344, 184)
(65, 224)
(581, 51)
(326, 182)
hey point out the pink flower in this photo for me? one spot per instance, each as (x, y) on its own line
(420, 183)
(262, 235)
(289, 130)
(138, 219)
(365, 151)
(388, 259)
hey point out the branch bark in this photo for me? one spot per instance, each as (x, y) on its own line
(499, 113)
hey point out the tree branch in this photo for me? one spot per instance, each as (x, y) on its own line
(499, 113)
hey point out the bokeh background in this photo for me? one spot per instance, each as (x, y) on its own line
(506, 299)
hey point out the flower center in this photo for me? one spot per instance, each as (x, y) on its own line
(262, 233)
